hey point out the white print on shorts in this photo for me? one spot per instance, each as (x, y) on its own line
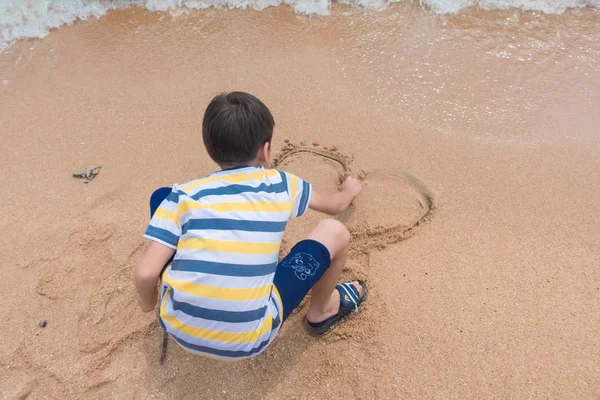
(304, 265)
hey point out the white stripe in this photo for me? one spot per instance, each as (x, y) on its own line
(167, 204)
(235, 235)
(349, 292)
(353, 291)
(240, 216)
(245, 197)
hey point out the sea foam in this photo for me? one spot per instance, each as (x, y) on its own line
(34, 18)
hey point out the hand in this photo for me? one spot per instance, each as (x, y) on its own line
(351, 186)
(335, 203)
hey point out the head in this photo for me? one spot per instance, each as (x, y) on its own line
(237, 130)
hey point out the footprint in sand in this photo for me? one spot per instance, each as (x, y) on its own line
(98, 288)
(392, 205)
(86, 241)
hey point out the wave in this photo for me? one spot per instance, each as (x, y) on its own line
(21, 19)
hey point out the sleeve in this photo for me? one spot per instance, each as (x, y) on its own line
(299, 192)
(165, 227)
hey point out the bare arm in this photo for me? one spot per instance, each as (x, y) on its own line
(335, 203)
(147, 274)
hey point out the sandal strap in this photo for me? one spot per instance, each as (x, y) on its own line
(350, 299)
(349, 295)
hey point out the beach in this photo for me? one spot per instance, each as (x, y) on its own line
(475, 134)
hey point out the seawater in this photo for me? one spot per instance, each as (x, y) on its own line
(20, 19)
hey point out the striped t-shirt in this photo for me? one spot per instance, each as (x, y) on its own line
(218, 297)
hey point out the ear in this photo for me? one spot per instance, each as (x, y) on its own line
(264, 155)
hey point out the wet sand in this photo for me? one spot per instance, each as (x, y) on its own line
(476, 137)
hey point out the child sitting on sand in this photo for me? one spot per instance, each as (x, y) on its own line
(223, 293)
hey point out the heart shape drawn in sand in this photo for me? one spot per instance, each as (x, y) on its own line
(390, 208)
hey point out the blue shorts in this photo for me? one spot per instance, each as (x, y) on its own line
(298, 272)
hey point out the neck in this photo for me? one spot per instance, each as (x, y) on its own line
(241, 165)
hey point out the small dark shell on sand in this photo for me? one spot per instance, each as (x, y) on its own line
(43, 323)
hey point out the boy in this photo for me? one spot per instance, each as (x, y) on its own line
(224, 294)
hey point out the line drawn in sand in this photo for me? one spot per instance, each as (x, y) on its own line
(331, 153)
(399, 197)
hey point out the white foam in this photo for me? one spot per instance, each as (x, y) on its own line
(24, 19)
(34, 18)
(546, 6)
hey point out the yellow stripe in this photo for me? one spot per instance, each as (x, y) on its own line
(276, 291)
(166, 214)
(227, 246)
(234, 178)
(250, 206)
(215, 292)
(294, 185)
(208, 334)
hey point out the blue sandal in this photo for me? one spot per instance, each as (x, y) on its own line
(350, 300)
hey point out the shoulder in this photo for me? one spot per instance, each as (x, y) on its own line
(192, 187)
(281, 173)
(290, 178)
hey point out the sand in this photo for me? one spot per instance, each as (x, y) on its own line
(476, 138)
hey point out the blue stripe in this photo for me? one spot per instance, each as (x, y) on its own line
(224, 224)
(162, 234)
(216, 268)
(276, 322)
(217, 352)
(218, 315)
(284, 180)
(162, 324)
(238, 189)
(173, 197)
(304, 198)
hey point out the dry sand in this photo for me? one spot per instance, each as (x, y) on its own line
(478, 230)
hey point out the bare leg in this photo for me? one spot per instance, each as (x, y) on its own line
(324, 299)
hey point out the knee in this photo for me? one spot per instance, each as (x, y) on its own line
(337, 231)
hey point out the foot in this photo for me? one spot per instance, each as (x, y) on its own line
(333, 306)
